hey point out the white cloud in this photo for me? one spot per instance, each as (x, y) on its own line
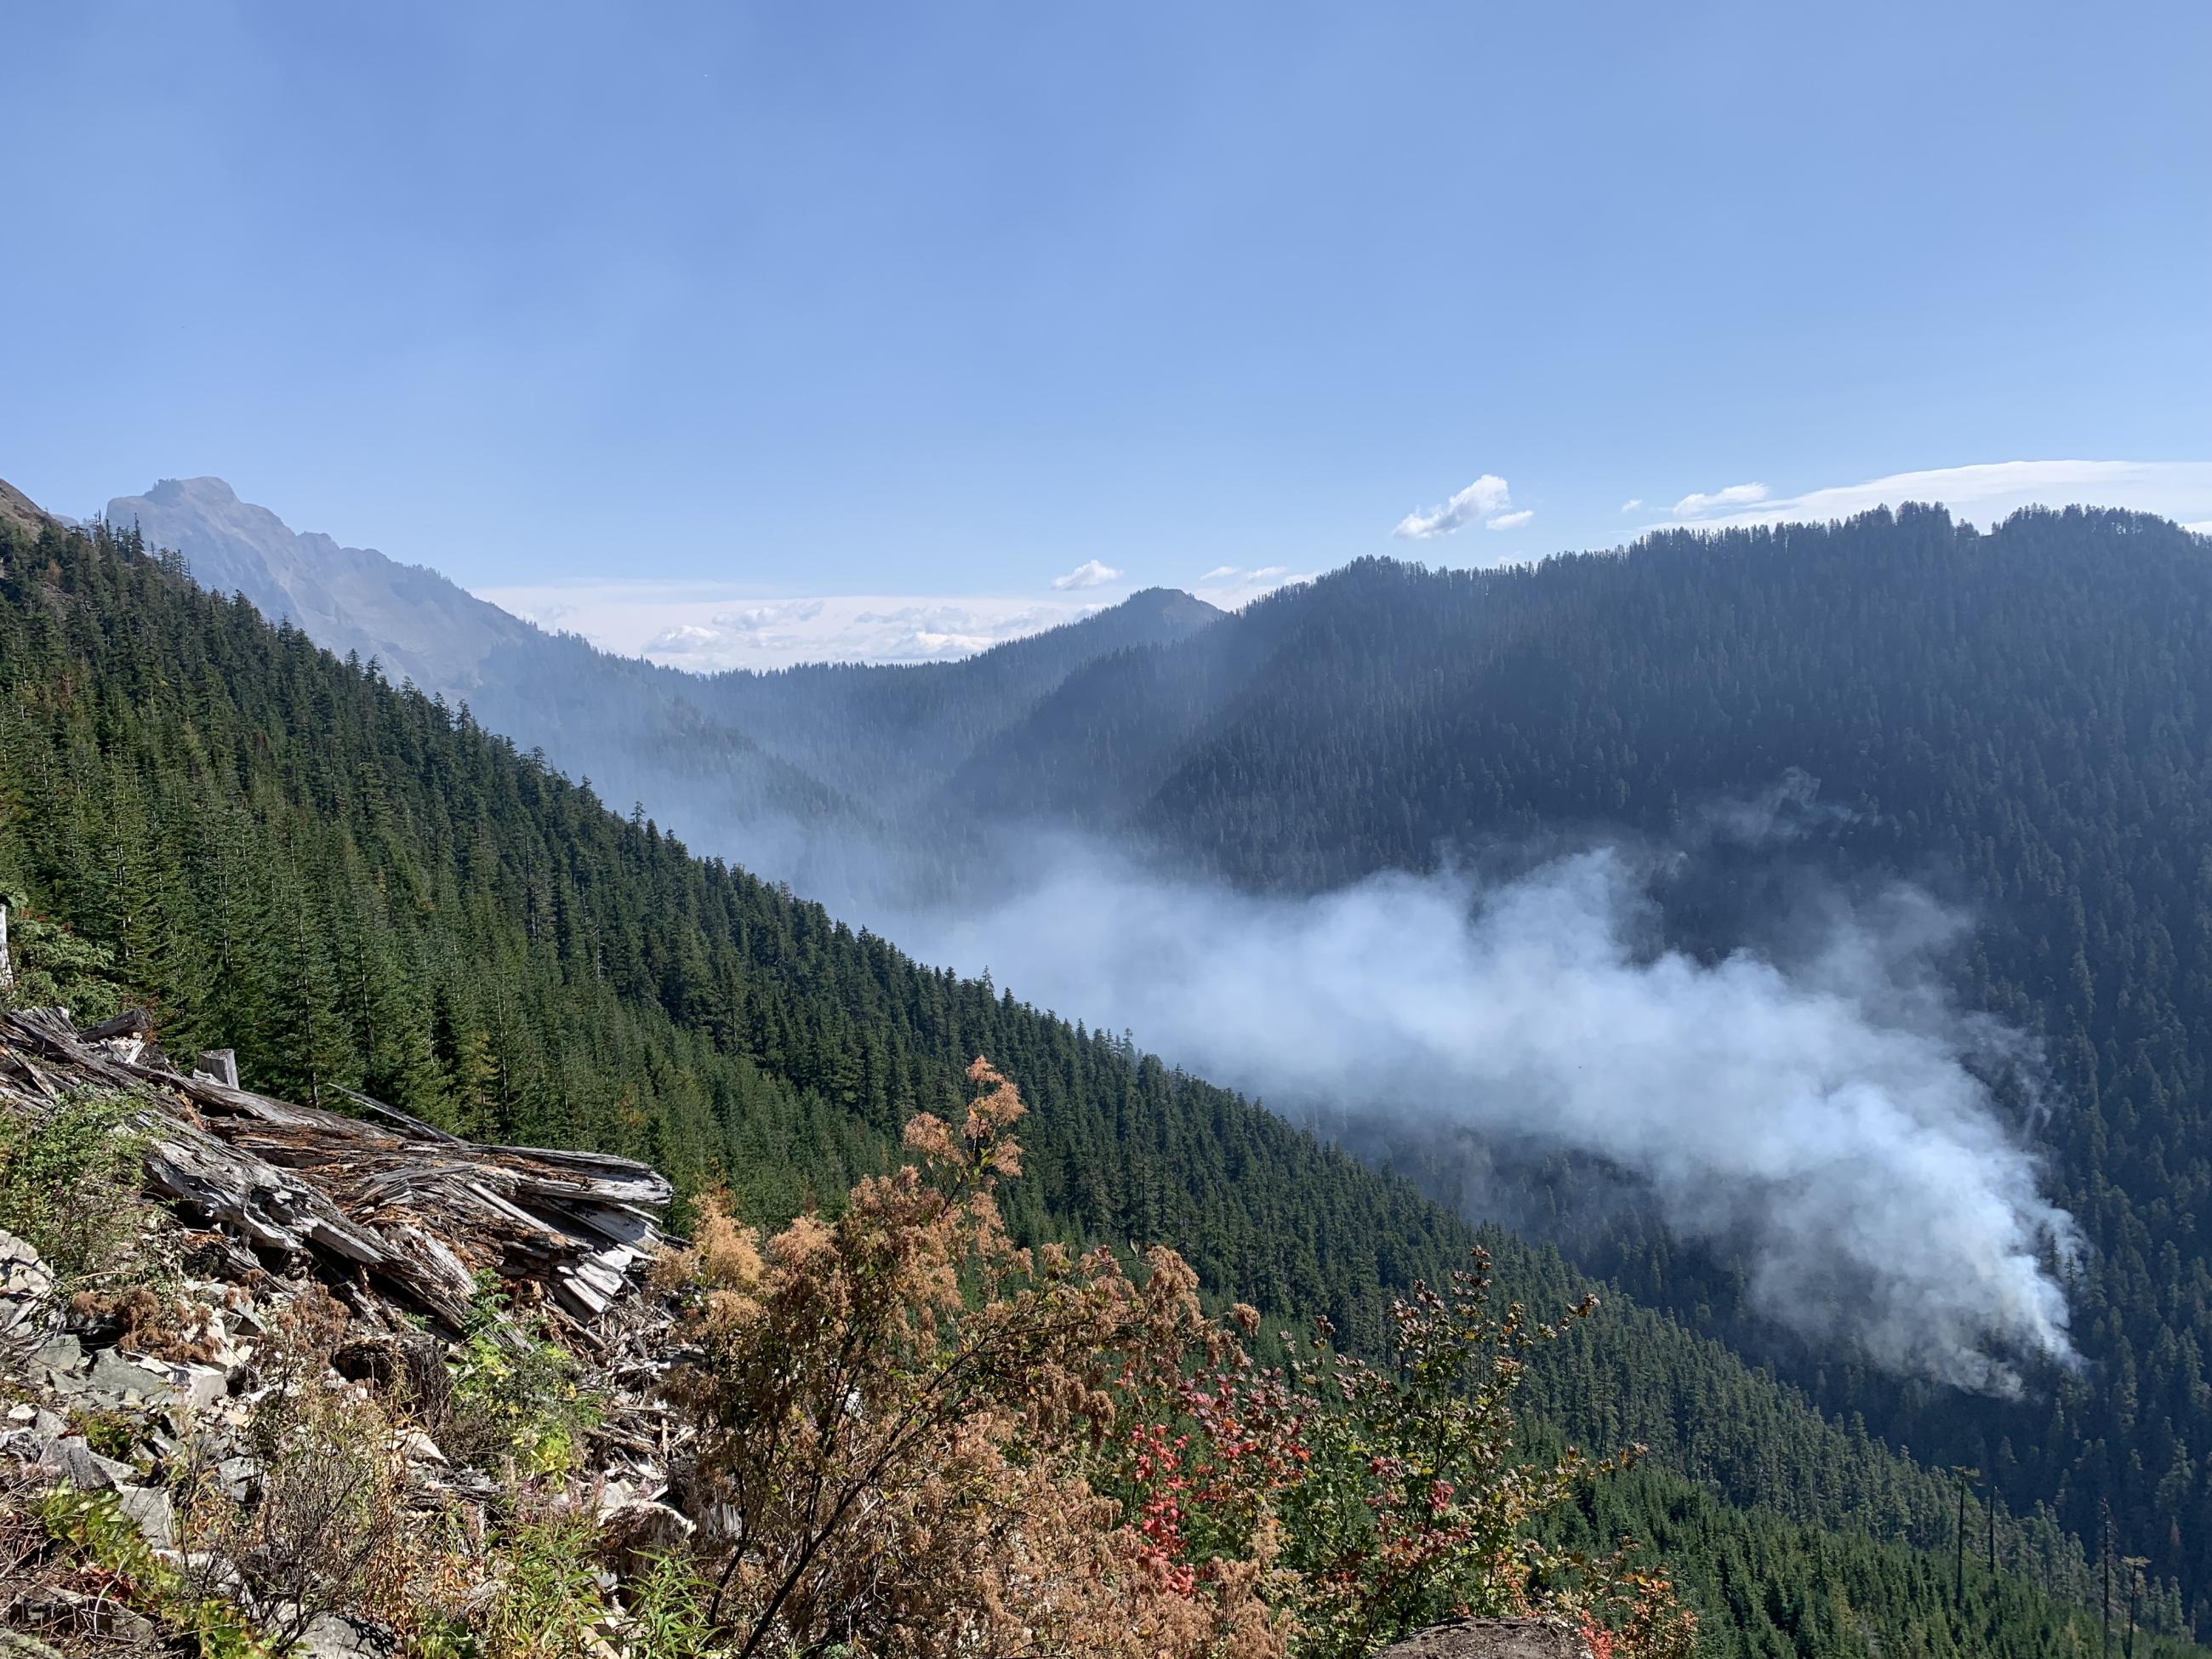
(1485, 496)
(1743, 495)
(705, 627)
(764, 618)
(686, 636)
(1090, 574)
(1632, 503)
(1980, 494)
(1230, 586)
(1510, 520)
(2203, 529)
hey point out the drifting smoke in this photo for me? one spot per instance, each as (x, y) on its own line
(1825, 1110)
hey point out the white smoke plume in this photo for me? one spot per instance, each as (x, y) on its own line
(1826, 1112)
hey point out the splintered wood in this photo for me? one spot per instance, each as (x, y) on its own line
(399, 1215)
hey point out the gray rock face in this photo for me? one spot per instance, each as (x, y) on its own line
(1490, 1639)
(415, 622)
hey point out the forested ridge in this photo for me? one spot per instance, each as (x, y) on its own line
(2021, 720)
(355, 885)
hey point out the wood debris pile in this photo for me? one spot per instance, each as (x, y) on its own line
(398, 1216)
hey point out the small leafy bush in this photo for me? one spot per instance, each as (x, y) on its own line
(112, 1434)
(518, 1400)
(71, 1187)
(917, 1440)
(98, 1537)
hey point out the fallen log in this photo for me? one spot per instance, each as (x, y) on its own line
(394, 1208)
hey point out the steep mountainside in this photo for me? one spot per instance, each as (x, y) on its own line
(412, 620)
(355, 887)
(18, 512)
(2021, 720)
(899, 732)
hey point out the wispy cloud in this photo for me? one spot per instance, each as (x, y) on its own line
(1697, 503)
(708, 627)
(1980, 494)
(1091, 573)
(1485, 496)
(1510, 520)
(1229, 586)
(1632, 503)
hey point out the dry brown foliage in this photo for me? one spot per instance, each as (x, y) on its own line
(895, 1407)
(918, 1440)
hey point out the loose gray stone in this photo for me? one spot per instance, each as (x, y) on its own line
(116, 1380)
(95, 1615)
(333, 1635)
(1491, 1638)
(200, 1386)
(58, 1356)
(71, 1458)
(238, 1477)
(152, 1512)
(631, 1533)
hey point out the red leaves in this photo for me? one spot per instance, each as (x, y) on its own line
(926, 1435)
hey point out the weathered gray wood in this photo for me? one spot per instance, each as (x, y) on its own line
(222, 1065)
(7, 962)
(398, 1208)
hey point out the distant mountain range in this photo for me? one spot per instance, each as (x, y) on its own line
(786, 770)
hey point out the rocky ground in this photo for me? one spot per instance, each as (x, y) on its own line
(347, 1354)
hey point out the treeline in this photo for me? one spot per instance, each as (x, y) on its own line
(359, 888)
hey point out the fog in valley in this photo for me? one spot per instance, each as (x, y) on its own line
(1813, 1096)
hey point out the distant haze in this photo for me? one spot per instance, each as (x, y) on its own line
(1818, 1105)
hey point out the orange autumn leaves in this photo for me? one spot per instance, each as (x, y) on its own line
(917, 1438)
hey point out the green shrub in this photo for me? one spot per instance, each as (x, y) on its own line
(517, 1400)
(71, 1186)
(55, 967)
(93, 1528)
(112, 1434)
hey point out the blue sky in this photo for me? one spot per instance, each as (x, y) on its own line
(653, 306)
